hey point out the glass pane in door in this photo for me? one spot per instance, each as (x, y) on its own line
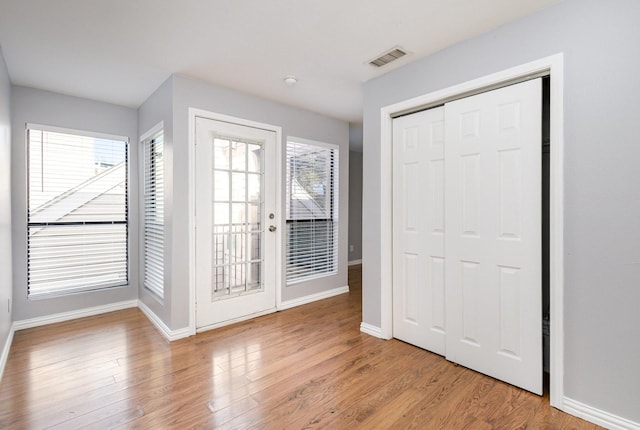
(238, 174)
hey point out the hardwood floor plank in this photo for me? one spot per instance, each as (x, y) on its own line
(375, 402)
(304, 368)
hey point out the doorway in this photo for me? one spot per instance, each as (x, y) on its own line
(467, 232)
(549, 66)
(235, 210)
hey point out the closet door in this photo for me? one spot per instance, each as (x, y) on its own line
(493, 240)
(418, 229)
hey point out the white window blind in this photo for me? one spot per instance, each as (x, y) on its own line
(154, 215)
(312, 210)
(77, 212)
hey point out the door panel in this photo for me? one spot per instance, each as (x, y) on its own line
(493, 240)
(235, 252)
(418, 236)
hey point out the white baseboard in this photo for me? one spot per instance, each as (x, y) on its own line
(235, 320)
(371, 329)
(355, 262)
(81, 313)
(6, 348)
(597, 416)
(312, 298)
(169, 334)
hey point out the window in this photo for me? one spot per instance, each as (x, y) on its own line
(154, 215)
(77, 233)
(312, 210)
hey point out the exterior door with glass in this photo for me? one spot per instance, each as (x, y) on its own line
(235, 222)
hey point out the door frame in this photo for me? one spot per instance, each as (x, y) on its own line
(200, 113)
(552, 66)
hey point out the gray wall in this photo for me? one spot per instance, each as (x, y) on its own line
(42, 107)
(5, 202)
(184, 93)
(602, 208)
(355, 192)
(159, 107)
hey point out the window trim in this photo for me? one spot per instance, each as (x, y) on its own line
(147, 139)
(126, 222)
(333, 213)
(64, 130)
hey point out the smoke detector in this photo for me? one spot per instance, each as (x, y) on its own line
(290, 80)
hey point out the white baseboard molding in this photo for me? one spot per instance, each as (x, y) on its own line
(371, 330)
(72, 315)
(169, 334)
(355, 262)
(235, 320)
(597, 416)
(5, 349)
(312, 298)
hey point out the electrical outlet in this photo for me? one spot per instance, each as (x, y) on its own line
(350, 248)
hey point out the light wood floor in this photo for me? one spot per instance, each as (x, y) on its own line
(307, 367)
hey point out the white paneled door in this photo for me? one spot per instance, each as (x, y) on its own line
(480, 255)
(418, 230)
(235, 239)
(493, 242)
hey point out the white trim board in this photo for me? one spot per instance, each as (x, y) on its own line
(236, 320)
(64, 130)
(598, 416)
(552, 66)
(152, 132)
(72, 315)
(371, 330)
(6, 348)
(193, 114)
(312, 298)
(355, 262)
(169, 334)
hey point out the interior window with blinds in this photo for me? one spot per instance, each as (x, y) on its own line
(154, 215)
(76, 212)
(312, 210)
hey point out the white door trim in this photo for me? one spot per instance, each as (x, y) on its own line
(193, 113)
(553, 66)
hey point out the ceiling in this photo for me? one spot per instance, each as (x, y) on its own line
(120, 51)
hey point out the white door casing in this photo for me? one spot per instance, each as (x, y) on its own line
(235, 191)
(552, 66)
(493, 241)
(418, 230)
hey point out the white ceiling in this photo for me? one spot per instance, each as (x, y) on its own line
(120, 51)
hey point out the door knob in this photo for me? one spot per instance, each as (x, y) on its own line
(272, 228)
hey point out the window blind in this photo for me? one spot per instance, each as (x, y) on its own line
(154, 215)
(312, 210)
(77, 212)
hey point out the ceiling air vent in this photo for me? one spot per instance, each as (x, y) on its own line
(388, 57)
